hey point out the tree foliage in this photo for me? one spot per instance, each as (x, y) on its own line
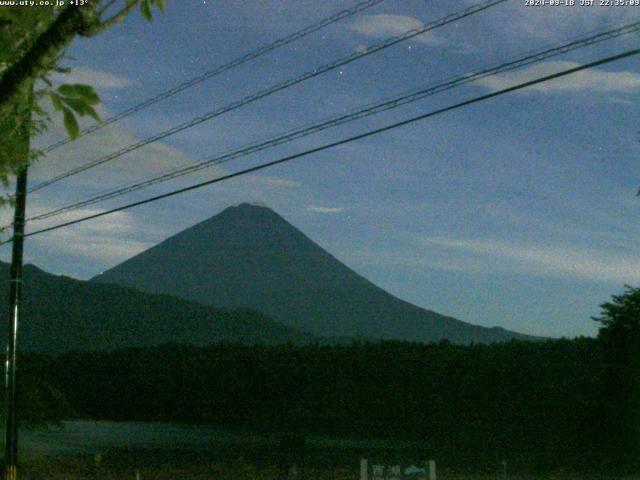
(473, 406)
(619, 337)
(41, 404)
(620, 318)
(32, 46)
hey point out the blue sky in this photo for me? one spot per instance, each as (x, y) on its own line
(518, 212)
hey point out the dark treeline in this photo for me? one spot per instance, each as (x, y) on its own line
(543, 405)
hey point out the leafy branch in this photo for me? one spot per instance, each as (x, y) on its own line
(36, 40)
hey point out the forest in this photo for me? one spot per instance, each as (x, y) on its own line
(539, 405)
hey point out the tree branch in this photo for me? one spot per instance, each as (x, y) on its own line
(98, 27)
(42, 54)
(106, 7)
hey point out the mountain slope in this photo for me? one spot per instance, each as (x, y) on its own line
(249, 256)
(62, 314)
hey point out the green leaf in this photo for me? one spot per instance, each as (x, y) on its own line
(67, 90)
(55, 100)
(86, 92)
(162, 5)
(89, 110)
(145, 8)
(76, 104)
(79, 106)
(71, 124)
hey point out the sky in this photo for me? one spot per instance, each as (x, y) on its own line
(519, 212)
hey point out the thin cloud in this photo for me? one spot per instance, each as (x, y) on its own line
(317, 209)
(148, 161)
(95, 78)
(386, 25)
(272, 182)
(565, 261)
(412, 259)
(152, 159)
(592, 80)
(110, 239)
(511, 23)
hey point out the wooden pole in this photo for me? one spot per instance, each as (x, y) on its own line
(15, 304)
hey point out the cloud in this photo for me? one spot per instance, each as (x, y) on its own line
(412, 259)
(317, 209)
(566, 261)
(110, 239)
(621, 101)
(593, 80)
(386, 25)
(512, 23)
(272, 182)
(95, 78)
(149, 160)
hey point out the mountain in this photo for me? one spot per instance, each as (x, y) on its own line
(249, 256)
(62, 314)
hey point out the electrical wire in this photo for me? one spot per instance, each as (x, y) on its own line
(275, 88)
(221, 69)
(361, 136)
(362, 112)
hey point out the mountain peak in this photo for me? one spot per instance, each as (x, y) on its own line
(243, 211)
(248, 207)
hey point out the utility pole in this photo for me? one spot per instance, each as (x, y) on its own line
(15, 289)
(15, 297)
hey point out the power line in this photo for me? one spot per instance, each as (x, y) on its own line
(222, 68)
(370, 133)
(362, 112)
(276, 88)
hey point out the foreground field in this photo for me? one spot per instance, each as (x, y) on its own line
(118, 467)
(160, 451)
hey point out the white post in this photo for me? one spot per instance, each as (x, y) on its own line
(137, 474)
(364, 469)
(432, 470)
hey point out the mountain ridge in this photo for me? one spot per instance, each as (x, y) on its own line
(61, 314)
(249, 256)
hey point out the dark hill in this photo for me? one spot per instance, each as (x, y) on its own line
(62, 314)
(249, 256)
